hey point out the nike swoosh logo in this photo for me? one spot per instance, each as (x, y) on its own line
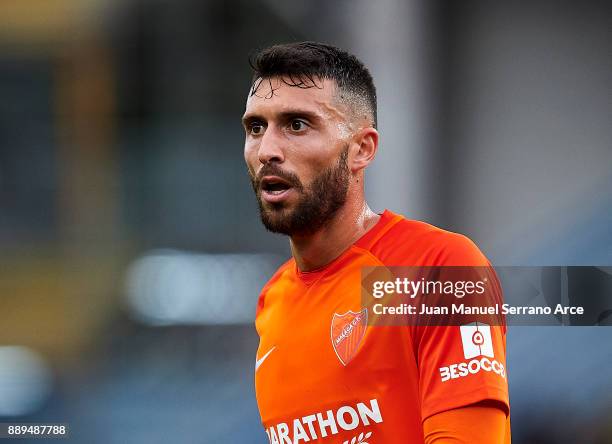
(263, 358)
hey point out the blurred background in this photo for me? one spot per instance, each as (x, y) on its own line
(131, 252)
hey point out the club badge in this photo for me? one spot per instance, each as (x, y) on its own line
(347, 331)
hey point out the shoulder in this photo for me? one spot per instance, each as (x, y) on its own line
(412, 242)
(276, 277)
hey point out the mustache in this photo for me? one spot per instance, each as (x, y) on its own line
(271, 169)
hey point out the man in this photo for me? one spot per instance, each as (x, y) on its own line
(310, 126)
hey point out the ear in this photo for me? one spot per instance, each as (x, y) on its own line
(365, 146)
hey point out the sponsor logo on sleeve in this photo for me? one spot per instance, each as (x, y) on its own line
(477, 350)
(476, 339)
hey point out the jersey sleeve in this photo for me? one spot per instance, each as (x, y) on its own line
(453, 373)
(460, 365)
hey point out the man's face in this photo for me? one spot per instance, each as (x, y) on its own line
(296, 150)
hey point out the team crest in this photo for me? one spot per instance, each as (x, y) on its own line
(347, 331)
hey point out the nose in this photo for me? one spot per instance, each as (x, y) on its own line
(271, 147)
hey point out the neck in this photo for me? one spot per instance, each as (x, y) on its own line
(319, 249)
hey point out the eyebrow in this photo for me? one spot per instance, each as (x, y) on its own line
(283, 116)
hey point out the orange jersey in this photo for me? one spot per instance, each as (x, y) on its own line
(317, 383)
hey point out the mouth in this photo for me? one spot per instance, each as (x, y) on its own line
(274, 189)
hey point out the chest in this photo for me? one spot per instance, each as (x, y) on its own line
(318, 351)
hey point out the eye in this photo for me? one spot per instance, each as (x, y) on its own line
(256, 128)
(298, 125)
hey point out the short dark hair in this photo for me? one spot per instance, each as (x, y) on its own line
(300, 64)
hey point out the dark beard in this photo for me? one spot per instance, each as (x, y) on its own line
(316, 206)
